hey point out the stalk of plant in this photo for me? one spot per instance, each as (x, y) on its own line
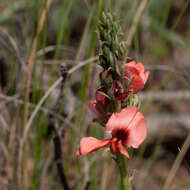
(116, 103)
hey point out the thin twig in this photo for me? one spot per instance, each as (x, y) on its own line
(58, 160)
(15, 47)
(8, 99)
(187, 166)
(53, 128)
(3, 123)
(82, 63)
(165, 95)
(87, 174)
(52, 48)
(11, 42)
(45, 110)
(177, 163)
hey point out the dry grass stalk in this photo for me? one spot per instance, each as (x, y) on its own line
(27, 78)
(177, 163)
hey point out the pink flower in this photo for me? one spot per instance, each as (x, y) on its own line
(127, 127)
(139, 76)
(99, 105)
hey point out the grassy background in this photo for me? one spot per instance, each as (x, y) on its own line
(38, 139)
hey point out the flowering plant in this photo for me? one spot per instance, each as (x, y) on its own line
(116, 100)
(128, 128)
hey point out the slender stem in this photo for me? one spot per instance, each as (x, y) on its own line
(125, 182)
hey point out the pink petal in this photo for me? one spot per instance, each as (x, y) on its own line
(100, 97)
(92, 106)
(137, 131)
(138, 66)
(122, 149)
(146, 76)
(96, 108)
(121, 120)
(90, 144)
(137, 83)
(131, 63)
(139, 76)
(113, 147)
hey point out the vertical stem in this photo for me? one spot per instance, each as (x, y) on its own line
(125, 182)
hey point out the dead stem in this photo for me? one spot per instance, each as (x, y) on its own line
(177, 163)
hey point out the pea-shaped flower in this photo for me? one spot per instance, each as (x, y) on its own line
(127, 127)
(135, 72)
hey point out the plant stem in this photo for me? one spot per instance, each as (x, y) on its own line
(125, 182)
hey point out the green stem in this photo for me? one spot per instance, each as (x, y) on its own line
(125, 182)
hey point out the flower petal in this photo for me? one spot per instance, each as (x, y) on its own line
(131, 63)
(121, 120)
(92, 106)
(90, 144)
(139, 76)
(122, 149)
(97, 109)
(146, 76)
(137, 131)
(137, 84)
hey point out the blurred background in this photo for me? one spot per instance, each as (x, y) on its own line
(43, 118)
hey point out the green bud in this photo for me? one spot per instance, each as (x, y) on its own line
(117, 69)
(110, 58)
(133, 100)
(105, 50)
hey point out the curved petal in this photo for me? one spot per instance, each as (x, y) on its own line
(90, 144)
(121, 120)
(100, 97)
(139, 76)
(131, 63)
(92, 106)
(96, 108)
(146, 76)
(137, 83)
(113, 147)
(137, 131)
(138, 66)
(122, 149)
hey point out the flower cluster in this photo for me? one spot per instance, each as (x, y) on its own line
(116, 101)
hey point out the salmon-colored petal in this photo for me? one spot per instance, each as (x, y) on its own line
(97, 109)
(121, 120)
(122, 149)
(92, 106)
(131, 63)
(138, 66)
(137, 83)
(91, 144)
(137, 131)
(139, 76)
(113, 147)
(100, 97)
(146, 76)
